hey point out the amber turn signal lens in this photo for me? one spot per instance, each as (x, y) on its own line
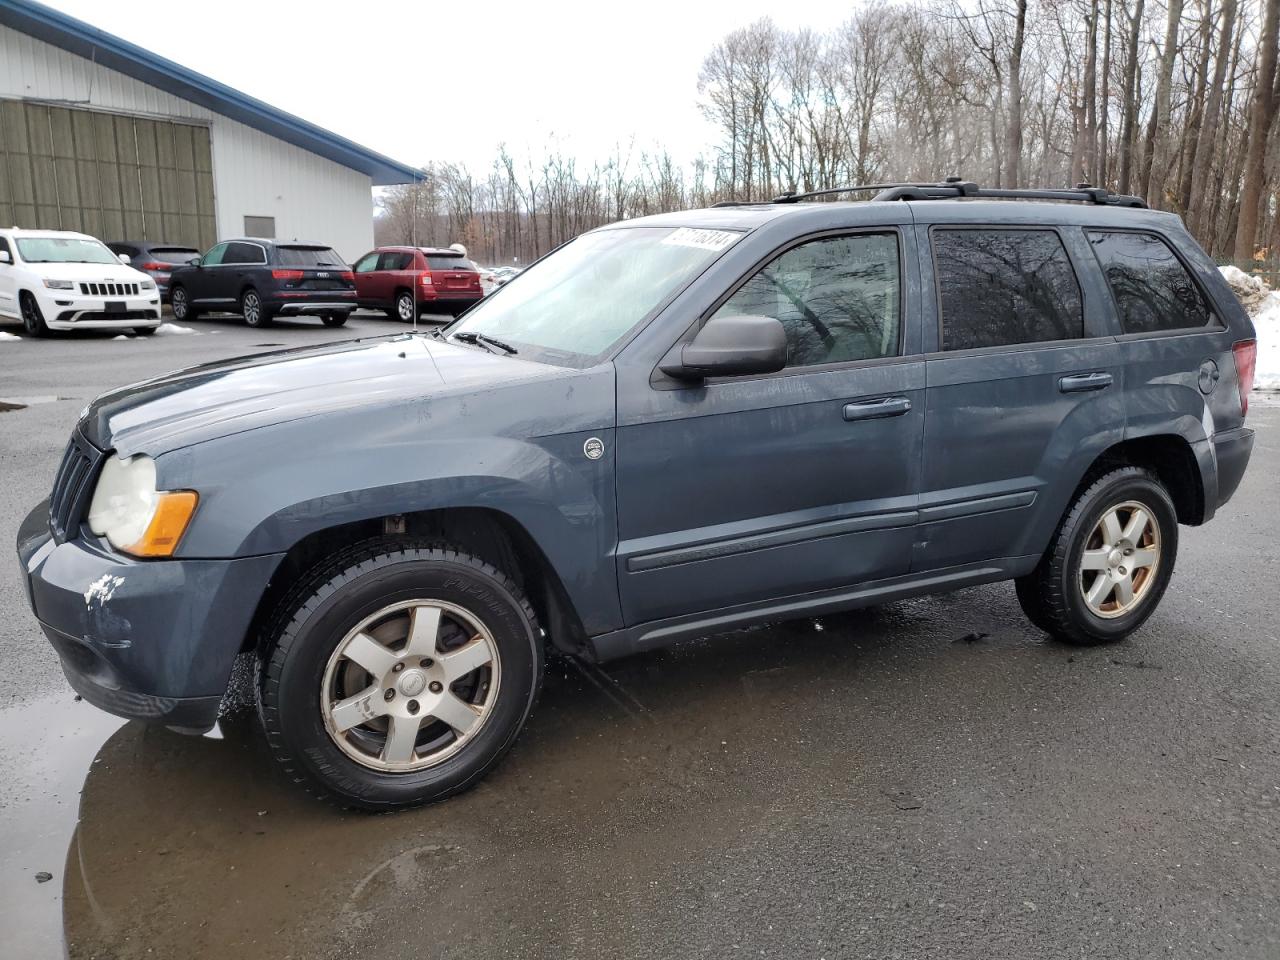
(168, 524)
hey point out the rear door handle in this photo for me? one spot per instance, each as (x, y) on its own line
(1080, 382)
(877, 409)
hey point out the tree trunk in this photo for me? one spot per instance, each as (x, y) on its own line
(1154, 156)
(1207, 141)
(1259, 128)
(1089, 153)
(1128, 131)
(1104, 146)
(1013, 130)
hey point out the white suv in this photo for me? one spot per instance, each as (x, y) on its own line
(56, 280)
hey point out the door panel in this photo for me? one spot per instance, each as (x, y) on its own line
(1010, 428)
(762, 488)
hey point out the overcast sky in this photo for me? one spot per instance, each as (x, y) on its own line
(449, 81)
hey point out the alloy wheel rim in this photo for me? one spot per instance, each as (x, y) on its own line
(179, 304)
(251, 309)
(411, 685)
(1120, 559)
(406, 308)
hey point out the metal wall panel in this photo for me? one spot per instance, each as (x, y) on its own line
(113, 176)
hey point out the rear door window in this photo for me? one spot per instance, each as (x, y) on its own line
(242, 253)
(837, 298)
(998, 287)
(1153, 290)
(395, 260)
(308, 257)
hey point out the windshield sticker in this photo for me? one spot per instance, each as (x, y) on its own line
(702, 239)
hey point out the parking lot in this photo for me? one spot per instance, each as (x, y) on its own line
(927, 778)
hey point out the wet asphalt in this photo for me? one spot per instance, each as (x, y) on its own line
(931, 778)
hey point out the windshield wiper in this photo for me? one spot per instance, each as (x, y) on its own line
(470, 336)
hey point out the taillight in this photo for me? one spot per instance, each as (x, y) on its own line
(156, 265)
(426, 279)
(1246, 352)
(347, 275)
(286, 274)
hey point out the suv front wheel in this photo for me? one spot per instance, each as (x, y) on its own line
(1108, 563)
(399, 673)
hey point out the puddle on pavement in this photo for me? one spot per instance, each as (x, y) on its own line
(635, 801)
(45, 749)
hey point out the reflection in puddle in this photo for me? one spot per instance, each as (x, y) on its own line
(628, 804)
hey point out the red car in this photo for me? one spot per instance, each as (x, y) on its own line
(410, 281)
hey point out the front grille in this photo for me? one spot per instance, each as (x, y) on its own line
(109, 289)
(72, 487)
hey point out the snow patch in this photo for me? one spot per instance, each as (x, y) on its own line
(5, 335)
(122, 337)
(1267, 323)
(173, 330)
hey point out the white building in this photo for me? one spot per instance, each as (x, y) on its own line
(101, 136)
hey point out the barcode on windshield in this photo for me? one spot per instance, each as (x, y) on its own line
(702, 239)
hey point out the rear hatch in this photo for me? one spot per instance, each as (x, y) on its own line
(308, 267)
(453, 274)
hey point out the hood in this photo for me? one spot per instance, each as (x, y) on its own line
(88, 272)
(230, 396)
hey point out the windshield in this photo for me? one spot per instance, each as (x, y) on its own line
(582, 299)
(308, 257)
(64, 250)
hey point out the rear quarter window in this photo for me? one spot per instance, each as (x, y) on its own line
(1152, 289)
(1005, 286)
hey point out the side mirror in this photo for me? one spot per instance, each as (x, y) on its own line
(730, 347)
(194, 262)
(125, 258)
(6, 256)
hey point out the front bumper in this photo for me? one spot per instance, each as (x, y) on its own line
(67, 311)
(146, 640)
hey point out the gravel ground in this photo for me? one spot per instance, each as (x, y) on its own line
(931, 778)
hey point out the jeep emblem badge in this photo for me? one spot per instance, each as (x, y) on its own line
(593, 448)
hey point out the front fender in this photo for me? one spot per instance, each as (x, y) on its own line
(264, 490)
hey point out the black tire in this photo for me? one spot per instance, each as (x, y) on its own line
(145, 331)
(405, 307)
(253, 310)
(331, 600)
(183, 312)
(334, 319)
(1052, 596)
(32, 317)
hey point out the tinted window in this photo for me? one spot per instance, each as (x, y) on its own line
(308, 257)
(1005, 286)
(450, 263)
(4, 246)
(1153, 290)
(368, 263)
(244, 253)
(392, 260)
(215, 255)
(837, 298)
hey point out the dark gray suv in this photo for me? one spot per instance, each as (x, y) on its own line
(670, 426)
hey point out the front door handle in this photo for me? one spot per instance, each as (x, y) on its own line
(877, 409)
(1080, 382)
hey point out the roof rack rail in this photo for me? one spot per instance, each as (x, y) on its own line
(954, 187)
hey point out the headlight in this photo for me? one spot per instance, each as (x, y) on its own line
(59, 284)
(133, 515)
(147, 285)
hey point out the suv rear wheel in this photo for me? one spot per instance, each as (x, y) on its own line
(1109, 562)
(334, 319)
(253, 310)
(405, 306)
(399, 673)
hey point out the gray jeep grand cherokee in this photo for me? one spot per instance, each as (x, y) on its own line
(670, 426)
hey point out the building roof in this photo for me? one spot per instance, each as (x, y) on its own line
(78, 37)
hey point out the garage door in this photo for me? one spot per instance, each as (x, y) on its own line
(112, 176)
